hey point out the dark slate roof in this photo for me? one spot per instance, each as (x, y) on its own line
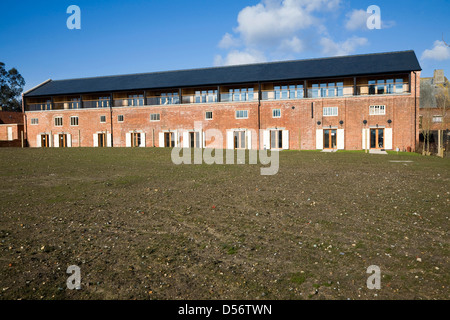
(368, 64)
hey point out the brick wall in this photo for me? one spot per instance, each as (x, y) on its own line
(297, 116)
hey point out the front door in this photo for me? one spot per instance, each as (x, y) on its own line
(169, 140)
(194, 139)
(377, 138)
(102, 140)
(44, 141)
(239, 139)
(329, 139)
(63, 140)
(135, 140)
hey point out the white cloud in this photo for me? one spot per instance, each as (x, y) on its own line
(228, 41)
(292, 45)
(236, 57)
(439, 52)
(331, 48)
(357, 20)
(275, 27)
(271, 21)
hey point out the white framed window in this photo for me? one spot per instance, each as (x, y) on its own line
(155, 117)
(330, 111)
(377, 110)
(74, 121)
(437, 119)
(102, 119)
(208, 115)
(242, 114)
(34, 121)
(276, 113)
(58, 122)
(120, 118)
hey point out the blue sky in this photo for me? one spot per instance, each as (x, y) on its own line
(122, 37)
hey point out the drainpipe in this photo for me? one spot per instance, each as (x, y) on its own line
(24, 119)
(259, 116)
(415, 111)
(111, 118)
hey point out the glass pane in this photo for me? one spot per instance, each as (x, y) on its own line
(277, 90)
(326, 139)
(373, 139)
(242, 139)
(380, 87)
(333, 139)
(273, 142)
(372, 87)
(381, 138)
(331, 90)
(280, 139)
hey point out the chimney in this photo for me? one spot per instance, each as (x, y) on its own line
(438, 77)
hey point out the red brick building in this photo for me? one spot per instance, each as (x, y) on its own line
(11, 128)
(350, 103)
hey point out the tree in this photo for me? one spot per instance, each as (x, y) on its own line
(428, 102)
(11, 87)
(442, 103)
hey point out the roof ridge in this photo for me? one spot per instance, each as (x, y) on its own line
(232, 66)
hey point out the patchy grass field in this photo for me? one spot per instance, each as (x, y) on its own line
(140, 227)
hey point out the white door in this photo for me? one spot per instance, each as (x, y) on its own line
(128, 139)
(249, 140)
(186, 141)
(341, 139)
(109, 140)
(285, 139)
(161, 139)
(230, 139)
(95, 140)
(388, 139)
(56, 141)
(143, 142)
(10, 134)
(38, 141)
(319, 139)
(266, 139)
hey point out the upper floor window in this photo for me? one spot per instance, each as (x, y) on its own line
(377, 110)
(120, 118)
(34, 121)
(327, 90)
(205, 96)
(155, 117)
(58, 122)
(386, 86)
(75, 103)
(135, 100)
(241, 114)
(74, 121)
(102, 119)
(103, 102)
(242, 94)
(276, 113)
(437, 119)
(330, 111)
(170, 98)
(208, 115)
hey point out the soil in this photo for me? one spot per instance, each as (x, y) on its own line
(140, 227)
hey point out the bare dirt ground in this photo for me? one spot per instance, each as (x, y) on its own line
(140, 227)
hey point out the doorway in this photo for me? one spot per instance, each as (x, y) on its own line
(377, 138)
(330, 139)
(45, 141)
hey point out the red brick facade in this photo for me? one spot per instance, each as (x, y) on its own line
(299, 117)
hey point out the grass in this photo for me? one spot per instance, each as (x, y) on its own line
(136, 223)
